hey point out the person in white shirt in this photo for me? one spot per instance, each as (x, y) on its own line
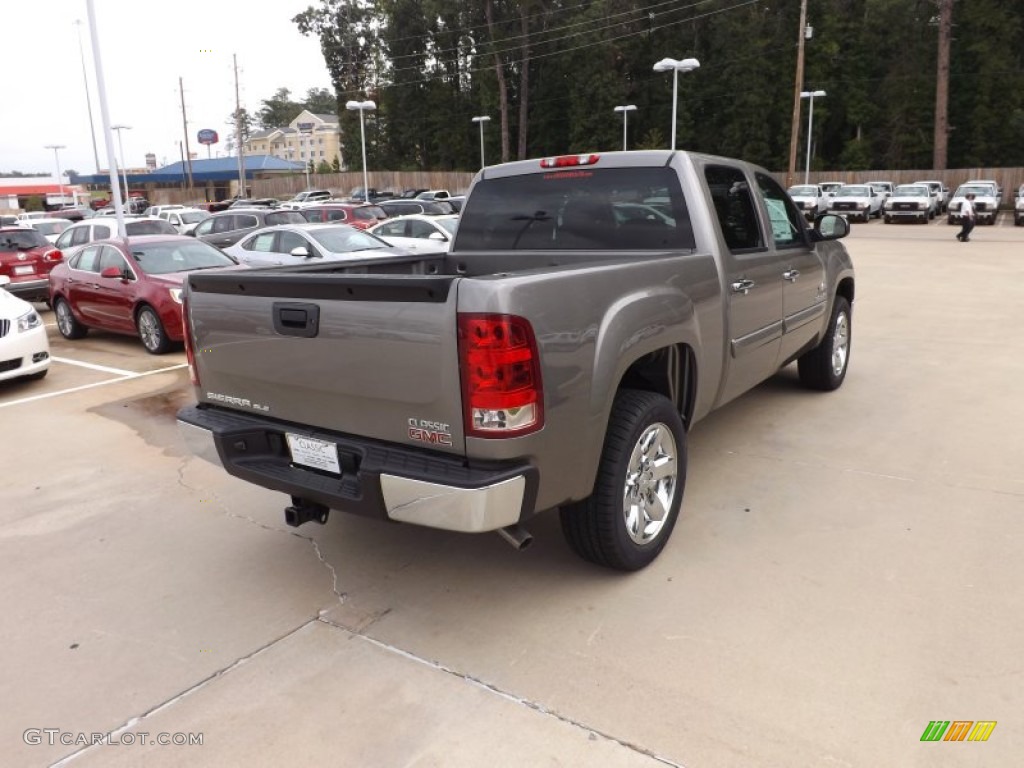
(966, 218)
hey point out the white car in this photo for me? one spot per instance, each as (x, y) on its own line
(184, 219)
(302, 199)
(97, 228)
(857, 201)
(25, 217)
(993, 182)
(986, 202)
(48, 228)
(886, 187)
(305, 243)
(418, 232)
(910, 201)
(939, 191)
(156, 210)
(1018, 207)
(810, 199)
(24, 346)
(433, 194)
(830, 187)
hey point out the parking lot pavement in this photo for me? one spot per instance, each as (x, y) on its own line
(845, 571)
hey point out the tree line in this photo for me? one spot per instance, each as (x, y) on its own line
(549, 74)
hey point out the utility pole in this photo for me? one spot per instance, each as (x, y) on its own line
(941, 142)
(184, 125)
(798, 87)
(88, 100)
(238, 134)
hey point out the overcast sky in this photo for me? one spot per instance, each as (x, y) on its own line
(145, 48)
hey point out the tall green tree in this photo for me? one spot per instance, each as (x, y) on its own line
(278, 110)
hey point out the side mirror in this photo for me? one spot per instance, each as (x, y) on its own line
(111, 272)
(437, 236)
(829, 226)
(301, 252)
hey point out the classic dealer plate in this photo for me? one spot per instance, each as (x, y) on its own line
(310, 452)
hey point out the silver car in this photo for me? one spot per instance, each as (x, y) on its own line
(300, 243)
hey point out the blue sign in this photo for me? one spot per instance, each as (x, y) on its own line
(208, 136)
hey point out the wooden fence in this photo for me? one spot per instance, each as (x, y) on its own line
(342, 184)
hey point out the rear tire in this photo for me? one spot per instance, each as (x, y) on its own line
(627, 520)
(824, 367)
(151, 331)
(68, 326)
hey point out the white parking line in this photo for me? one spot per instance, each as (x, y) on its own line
(90, 386)
(92, 366)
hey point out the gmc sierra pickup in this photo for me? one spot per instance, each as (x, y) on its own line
(591, 310)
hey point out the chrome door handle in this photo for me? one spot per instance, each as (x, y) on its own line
(791, 275)
(743, 286)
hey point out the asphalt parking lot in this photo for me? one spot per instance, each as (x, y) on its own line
(846, 570)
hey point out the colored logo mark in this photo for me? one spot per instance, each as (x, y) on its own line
(958, 730)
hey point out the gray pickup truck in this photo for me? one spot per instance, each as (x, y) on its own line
(591, 310)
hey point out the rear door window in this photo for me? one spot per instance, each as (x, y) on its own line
(263, 242)
(101, 232)
(734, 206)
(282, 217)
(88, 259)
(578, 208)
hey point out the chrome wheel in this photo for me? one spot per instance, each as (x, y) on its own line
(151, 332)
(65, 320)
(650, 485)
(840, 343)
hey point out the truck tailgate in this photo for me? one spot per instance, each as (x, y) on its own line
(361, 354)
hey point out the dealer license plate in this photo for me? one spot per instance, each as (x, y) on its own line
(24, 269)
(310, 452)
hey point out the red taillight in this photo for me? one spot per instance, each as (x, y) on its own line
(54, 255)
(569, 160)
(186, 329)
(501, 384)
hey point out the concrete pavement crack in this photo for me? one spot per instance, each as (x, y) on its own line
(497, 691)
(134, 721)
(316, 547)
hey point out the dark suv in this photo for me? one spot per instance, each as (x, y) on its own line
(228, 227)
(428, 207)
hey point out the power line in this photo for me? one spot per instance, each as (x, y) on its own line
(512, 62)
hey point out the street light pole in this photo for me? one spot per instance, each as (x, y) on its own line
(625, 110)
(676, 66)
(480, 120)
(812, 95)
(60, 181)
(124, 168)
(362, 106)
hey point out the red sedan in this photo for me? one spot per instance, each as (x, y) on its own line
(130, 286)
(27, 258)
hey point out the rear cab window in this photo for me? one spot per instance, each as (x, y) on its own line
(283, 217)
(593, 209)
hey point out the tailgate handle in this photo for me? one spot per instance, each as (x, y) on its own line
(296, 319)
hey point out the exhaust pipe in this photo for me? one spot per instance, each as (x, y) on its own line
(517, 536)
(303, 511)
